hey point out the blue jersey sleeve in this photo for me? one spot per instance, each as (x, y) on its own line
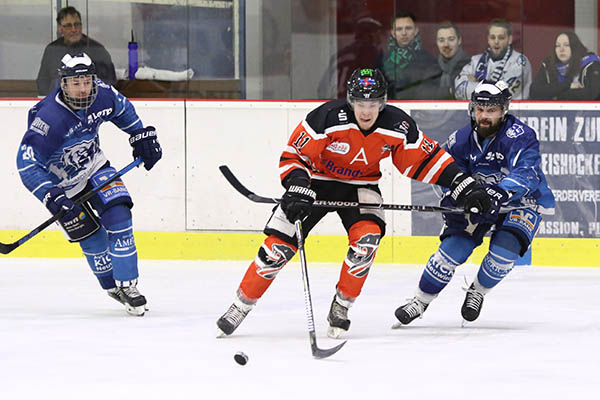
(524, 164)
(455, 146)
(124, 116)
(42, 138)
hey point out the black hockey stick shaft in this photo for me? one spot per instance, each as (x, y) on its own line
(231, 178)
(6, 248)
(316, 351)
(332, 203)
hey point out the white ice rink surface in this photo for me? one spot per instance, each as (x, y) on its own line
(62, 337)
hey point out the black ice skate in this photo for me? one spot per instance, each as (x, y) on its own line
(131, 298)
(472, 305)
(410, 311)
(338, 319)
(232, 318)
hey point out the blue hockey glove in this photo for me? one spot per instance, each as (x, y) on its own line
(470, 195)
(145, 145)
(56, 200)
(498, 197)
(297, 202)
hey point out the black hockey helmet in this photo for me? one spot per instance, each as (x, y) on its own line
(366, 84)
(77, 66)
(489, 93)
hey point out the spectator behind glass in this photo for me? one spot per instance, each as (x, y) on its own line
(412, 73)
(451, 59)
(72, 42)
(365, 47)
(499, 62)
(571, 72)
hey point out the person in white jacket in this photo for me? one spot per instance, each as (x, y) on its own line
(499, 62)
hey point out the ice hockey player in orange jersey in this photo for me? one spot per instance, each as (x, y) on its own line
(334, 154)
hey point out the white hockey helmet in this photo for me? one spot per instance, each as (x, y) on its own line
(78, 66)
(489, 93)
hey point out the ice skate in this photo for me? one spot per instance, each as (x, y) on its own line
(338, 319)
(131, 298)
(409, 312)
(113, 293)
(472, 305)
(232, 318)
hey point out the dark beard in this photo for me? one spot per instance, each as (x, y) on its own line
(489, 131)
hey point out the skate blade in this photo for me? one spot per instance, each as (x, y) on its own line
(220, 333)
(138, 311)
(466, 323)
(397, 325)
(335, 333)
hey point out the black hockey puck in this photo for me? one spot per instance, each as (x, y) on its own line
(240, 358)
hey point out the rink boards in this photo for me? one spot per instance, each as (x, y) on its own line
(184, 209)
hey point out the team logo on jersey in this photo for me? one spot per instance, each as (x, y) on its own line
(339, 148)
(491, 156)
(92, 117)
(39, 126)
(402, 127)
(386, 148)
(80, 154)
(514, 131)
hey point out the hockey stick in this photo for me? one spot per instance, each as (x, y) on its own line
(316, 351)
(332, 203)
(244, 191)
(6, 248)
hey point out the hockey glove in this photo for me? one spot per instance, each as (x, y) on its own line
(296, 203)
(470, 195)
(56, 200)
(145, 145)
(498, 197)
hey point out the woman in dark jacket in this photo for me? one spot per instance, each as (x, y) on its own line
(570, 73)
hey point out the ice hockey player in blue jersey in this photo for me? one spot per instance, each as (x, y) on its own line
(59, 159)
(503, 154)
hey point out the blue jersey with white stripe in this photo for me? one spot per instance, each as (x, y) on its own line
(511, 159)
(61, 146)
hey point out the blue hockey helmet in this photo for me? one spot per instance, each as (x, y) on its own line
(77, 73)
(366, 84)
(489, 93)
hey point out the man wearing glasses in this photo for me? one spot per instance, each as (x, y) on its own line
(72, 41)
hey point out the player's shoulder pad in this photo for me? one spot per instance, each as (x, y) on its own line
(395, 119)
(102, 84)
(47, 116)
(331, 113)
(516, 129)
(461, 136)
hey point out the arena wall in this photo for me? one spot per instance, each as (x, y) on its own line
(184, 208)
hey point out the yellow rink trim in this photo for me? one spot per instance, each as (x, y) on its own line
(319, 248)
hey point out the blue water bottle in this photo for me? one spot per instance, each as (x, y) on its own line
(133, 57)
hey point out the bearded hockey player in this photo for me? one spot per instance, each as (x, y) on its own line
(334, 154)
(503, 154)
(60, 159)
